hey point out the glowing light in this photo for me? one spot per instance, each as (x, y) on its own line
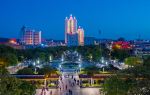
(50, 58)
(13, 41)
(62, 58)
(80, 36)
(102, 59)
(34, 63)
(38, 61)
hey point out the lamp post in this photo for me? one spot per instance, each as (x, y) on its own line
(50, 58)
(38, 61)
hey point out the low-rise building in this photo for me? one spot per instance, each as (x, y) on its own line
(89, 40)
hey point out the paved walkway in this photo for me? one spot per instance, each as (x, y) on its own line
(46, 92)
(69, 85)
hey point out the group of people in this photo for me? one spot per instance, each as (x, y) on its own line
(45, 91)
(65, 86)
(72, 81)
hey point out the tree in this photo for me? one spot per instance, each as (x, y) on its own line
(25, 71)
(131, 81)
(147, 61)
(120, 54)
(91, 70)
(7, 59)
(3, 71)
(132, 61)
(117, 86)
(6, 49)
(27, 88)
(10, 85)
(47, 70)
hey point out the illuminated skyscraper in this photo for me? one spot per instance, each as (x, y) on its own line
(80, 36)
(70, 26)
(73, 37)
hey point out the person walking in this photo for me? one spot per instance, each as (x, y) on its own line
(66, 87)
(51, 92)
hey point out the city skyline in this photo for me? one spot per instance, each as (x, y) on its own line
(113, 18)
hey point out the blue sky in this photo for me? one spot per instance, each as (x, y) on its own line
(115, 18)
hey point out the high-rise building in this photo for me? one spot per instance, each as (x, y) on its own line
(70, 26)
(37, 38)
(30, 37)
(80, 32)
(73, 37)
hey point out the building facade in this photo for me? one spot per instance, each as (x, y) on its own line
(30, 37)
(89, 40)
(37, 38)
(73, 37)
(141, 47)
(80, 36)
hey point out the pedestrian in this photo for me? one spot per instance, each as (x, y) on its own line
(47, 88)
(71, 92)
(41, 93)
(66, 87)
(51, 92)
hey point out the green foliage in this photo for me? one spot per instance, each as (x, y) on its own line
(132, 61)
(91, 70)
(131, 81)
(8, 59)
(117, 86)
(28, 89)
(147, 61)
(47, 70)
(6, 49)
(10, 85)
(95, 51)
(120, 54)
(55, 52)
(3, 71)
(7, 56)
(25, 71)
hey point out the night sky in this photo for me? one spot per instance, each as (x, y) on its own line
(115, 18)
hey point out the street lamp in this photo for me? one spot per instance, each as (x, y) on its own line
(33, 63)
(50, 58)
(106, 63)
(91, 57)
(79, 58)
(62, 58)
(38, 61)
(102, 59)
